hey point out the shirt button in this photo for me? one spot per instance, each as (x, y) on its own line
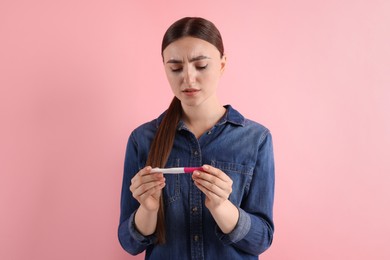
(209, 132)
(196, 153)
(196, 238)
(194, 209)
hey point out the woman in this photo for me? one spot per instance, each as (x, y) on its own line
(223, 210)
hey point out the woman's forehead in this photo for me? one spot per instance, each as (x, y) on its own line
(189, 48)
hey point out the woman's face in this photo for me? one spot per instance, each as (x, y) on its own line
(193, 68)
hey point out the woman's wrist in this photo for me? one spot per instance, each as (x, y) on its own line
(146, 210)
(226, 216)
(145, 220)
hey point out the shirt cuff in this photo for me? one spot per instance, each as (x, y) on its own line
(145, 240)
(240, 230)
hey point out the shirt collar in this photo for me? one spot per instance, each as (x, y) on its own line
(231, 116)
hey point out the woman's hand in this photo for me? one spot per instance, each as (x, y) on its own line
(146, 188)
(215, 184)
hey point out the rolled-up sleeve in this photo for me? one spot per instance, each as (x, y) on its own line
(240, 230)
(131, 240)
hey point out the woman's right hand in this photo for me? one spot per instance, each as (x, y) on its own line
(146, 188)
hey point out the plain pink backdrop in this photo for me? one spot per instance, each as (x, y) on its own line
(77, 76)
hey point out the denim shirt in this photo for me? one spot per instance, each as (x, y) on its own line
(240, 148)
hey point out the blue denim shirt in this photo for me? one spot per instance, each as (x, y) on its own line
(239, 147)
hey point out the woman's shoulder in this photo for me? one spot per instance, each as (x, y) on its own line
(255, 124)
(257, 130)
(149, 127)
(247, 123)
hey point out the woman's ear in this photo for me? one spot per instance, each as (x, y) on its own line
(223, 63)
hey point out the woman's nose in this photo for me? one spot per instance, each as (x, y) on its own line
(189, 76)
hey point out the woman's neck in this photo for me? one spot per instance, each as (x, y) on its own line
(200, 119)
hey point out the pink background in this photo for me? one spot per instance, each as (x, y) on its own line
(77, 76)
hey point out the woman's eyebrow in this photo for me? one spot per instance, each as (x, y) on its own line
(174, 61)
(200, 57)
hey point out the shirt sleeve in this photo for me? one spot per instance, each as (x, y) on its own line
(254, 230)
(130, 239)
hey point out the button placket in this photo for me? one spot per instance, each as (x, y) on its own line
(195, 206)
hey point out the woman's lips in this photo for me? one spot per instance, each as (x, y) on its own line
(190, 91)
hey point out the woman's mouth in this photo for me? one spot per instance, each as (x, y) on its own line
(190, 91)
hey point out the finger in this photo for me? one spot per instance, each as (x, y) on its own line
(140, 179)
(142, 184)
(151, 191)
(213, 183)
(140, 173)
(146, 170)
(145, 188)
(213, 180)
(216, 172)
(210, 194)
(208, 177)
(151, 177)
(208, 187)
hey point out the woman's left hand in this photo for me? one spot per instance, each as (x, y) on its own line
(215, 184)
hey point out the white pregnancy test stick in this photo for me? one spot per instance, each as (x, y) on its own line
(176, 170)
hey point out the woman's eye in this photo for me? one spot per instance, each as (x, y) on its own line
(201, 67)
(176, 69)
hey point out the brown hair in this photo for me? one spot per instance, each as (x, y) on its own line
(163, 141)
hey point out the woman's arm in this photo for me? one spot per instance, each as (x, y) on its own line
(136, 225)
(217, 186)
(248, 227)
(146, 189)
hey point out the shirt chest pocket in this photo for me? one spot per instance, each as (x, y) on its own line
(241, 176)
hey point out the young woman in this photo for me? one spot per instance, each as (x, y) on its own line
(222, 210)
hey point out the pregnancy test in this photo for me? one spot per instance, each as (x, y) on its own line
(176, 170)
